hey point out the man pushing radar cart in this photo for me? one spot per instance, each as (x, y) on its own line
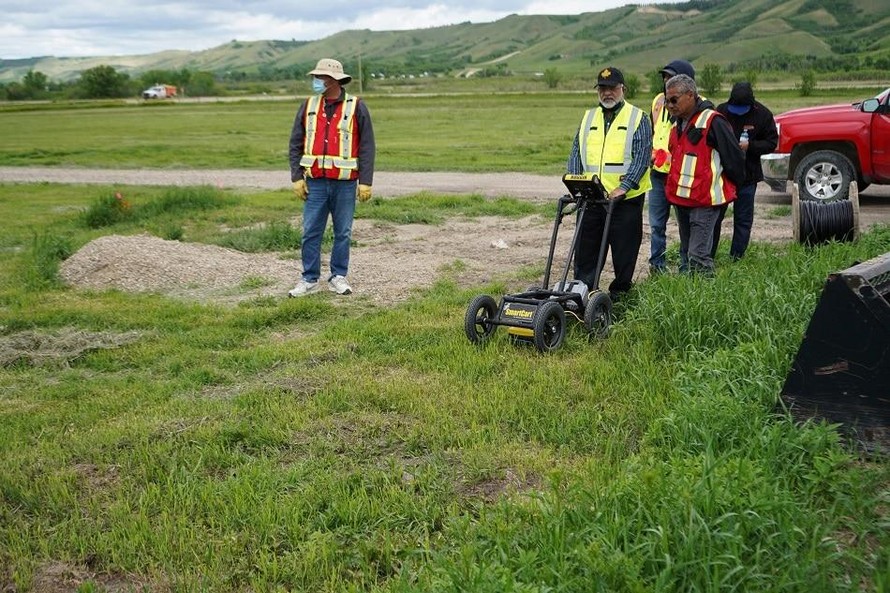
(538, 315)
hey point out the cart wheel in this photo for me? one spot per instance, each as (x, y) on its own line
(477, 321)
(598, 315)
(550, 326)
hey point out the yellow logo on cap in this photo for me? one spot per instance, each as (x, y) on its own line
(606, 73)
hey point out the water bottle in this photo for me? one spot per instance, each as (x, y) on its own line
(744, 136)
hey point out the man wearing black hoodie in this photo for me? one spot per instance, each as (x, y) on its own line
(659, 208)
(755, 128)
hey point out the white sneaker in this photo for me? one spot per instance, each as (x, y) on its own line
(303, 288)
(339, 285)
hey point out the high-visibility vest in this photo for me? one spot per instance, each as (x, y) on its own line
(696, 177)
(330, 148)
(661, 133)
(608, 155)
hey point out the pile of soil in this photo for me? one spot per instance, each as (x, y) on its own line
(388, 263)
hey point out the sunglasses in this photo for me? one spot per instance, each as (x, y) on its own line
(673, 100)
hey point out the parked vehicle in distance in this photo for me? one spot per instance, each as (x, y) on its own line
(823, 149)
(159, 91)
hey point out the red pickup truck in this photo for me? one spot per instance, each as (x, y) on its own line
(822, 149)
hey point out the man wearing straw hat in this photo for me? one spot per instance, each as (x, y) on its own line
(332, 153)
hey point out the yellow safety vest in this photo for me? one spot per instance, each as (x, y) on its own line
(609, 155)
(661, 134)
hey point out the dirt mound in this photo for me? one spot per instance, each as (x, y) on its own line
(387, 264)
(144, 263)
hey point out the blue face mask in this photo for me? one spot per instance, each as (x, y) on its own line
(318, 85)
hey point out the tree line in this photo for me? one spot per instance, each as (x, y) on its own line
(104, 82)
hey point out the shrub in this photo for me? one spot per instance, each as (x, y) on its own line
(807, 83)
(552, 77)
(107, 210)
(710, 79)
(633, 84)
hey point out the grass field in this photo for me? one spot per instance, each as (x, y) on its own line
(528, 132)
(155, 444)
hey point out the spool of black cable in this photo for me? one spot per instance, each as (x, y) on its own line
(817, 222)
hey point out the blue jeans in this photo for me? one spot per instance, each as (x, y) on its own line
(327, 197)
(742, 221)
(659, 213)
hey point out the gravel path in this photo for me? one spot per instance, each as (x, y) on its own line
(386, 184)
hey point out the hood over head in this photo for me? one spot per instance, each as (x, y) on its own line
(679, 67)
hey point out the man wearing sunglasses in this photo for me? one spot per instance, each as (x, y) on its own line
(614, 142)
(706, 167)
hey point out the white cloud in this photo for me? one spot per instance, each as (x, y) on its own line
(74, 28)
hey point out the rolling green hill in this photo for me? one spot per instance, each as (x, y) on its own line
(736, 34)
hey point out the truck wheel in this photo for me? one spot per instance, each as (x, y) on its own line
(824, 176)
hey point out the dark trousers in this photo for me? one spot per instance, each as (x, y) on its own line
(625, 237)
(742, 221)
(696, 227)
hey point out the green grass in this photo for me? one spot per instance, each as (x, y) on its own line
(150, 443)
(476, 132)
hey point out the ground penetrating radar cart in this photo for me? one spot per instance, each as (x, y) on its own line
(538, 315)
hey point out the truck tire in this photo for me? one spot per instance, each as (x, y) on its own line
(824, 176)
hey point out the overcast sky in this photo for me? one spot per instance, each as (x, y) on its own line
(70, 28)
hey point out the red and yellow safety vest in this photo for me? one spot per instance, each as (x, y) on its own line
(330, 148)
(609, 155)
(696, 177)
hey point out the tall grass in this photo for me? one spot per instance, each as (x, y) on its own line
(40, 269)
(308, 444)
(110, 209)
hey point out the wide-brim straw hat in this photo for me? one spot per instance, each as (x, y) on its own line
(332, 68)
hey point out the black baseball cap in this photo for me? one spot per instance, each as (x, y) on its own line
(741, 98)
(609, 77)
